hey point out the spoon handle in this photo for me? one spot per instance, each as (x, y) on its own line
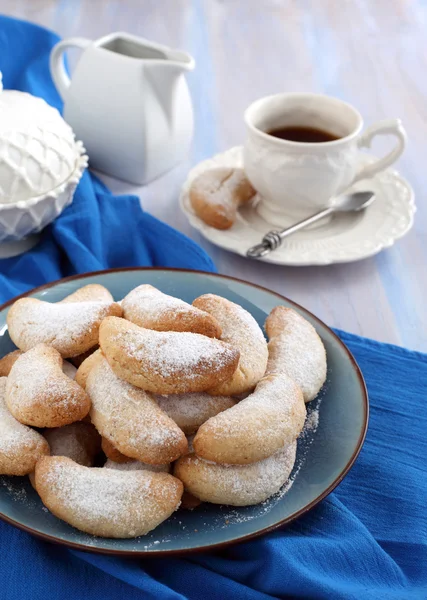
(273, 239)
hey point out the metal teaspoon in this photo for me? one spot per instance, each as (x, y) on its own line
(345, 203)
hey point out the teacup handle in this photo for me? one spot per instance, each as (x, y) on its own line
(387, 127)
(57, 67)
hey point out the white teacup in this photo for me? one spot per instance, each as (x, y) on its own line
(295, 179)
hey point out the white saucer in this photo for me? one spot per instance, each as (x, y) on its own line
(344, 238)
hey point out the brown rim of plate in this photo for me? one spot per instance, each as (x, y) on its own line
(245, 538)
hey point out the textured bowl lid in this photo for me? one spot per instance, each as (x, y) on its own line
(37, 147)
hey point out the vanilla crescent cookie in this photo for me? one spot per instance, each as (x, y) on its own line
(238, 485)
(20, 446)
(131, 420)
(94, 292)
(70, 327)
(257, 427)
(216, 195)
(189, 411)
(241, 331)
(106, 502)
(148, 307)
(112, 454)
(296, 350)
(86, 367)
(136, 465)
(7, 362)
(38, 393)
(165, 362)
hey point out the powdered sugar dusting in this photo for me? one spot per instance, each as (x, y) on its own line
(241, 331)
(151, 304)
(297, 350)
(239, 485)
(56, 324)
(14, 436)
(172, 354)
(95, 493)
(189, 411)
(136, 465)
(123, 413)
(37, 374)
(218, 186)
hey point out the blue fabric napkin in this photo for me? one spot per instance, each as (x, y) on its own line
(367, 540)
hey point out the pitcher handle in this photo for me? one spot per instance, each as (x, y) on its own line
(57, 67)
(388, 127)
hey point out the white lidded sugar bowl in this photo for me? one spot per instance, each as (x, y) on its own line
(41, 164)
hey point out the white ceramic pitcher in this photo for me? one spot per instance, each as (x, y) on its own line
(128, 101)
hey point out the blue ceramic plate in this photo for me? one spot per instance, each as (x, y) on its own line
(337, 423)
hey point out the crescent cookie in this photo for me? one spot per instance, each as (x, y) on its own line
(38, 393)
(296, 350)
(255, 428)
(86, 367)
(165, 362)
(241, 331)
(136, 465)
(70, 327)
(20, 446)
(94, 292)
(148, 307)
(131, 420)
(238, 485)
(189, 411)
(106, 502)
(78, 441)
(7, 362)
(112, 454)
(216, 195)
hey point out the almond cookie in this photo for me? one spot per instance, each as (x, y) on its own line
(20, 446)
(106, 502)
(38, 393)
(136, 465)
(189, 411)
(89, 293)
(7, 362)
(86, 367)
(241, 331)
(131, 420)
(148, 307)
(238, 485)
(255, 428)
(70, 327)
(78, 441)
(165, 362)
(112, 454)
(216, 195)
(296, 350)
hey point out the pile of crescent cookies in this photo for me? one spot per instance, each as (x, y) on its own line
(179, 403)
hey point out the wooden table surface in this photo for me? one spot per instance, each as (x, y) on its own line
(370, 53)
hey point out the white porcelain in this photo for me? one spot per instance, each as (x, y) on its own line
(21, 221)
(40, 166)
(345, 238)
(296, 179)
(128, 101)
(38, 151)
